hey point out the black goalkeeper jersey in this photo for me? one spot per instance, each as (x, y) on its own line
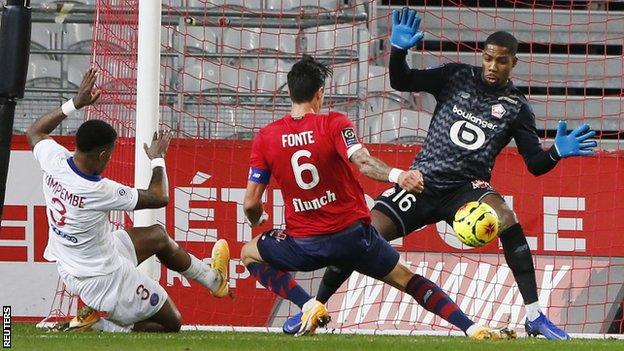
(471, 124)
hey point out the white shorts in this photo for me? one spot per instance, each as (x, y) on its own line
(127, 295)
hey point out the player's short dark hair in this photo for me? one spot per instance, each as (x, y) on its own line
(504, 39)
(94, 134)
(305, 78)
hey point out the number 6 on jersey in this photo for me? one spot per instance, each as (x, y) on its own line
(298, 170)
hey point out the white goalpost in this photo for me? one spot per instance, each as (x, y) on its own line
(147, 112)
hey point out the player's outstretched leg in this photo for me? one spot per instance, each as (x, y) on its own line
(88, 319)
(331, 282)
(520, 261)
(434, 300)
(167, 319)
(314, 314)
(334, 277)
(84, 320)
(386, 266)
(154, 240)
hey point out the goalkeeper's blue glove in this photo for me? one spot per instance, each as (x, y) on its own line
(405, 32)
(576, 143)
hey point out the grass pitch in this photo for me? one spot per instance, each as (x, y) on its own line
(27, 337)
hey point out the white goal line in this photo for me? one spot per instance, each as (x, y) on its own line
(223, 328)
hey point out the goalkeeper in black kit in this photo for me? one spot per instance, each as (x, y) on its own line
(478, 112)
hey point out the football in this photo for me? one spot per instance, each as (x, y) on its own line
(476, 224)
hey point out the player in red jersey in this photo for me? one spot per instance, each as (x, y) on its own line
(327, 221)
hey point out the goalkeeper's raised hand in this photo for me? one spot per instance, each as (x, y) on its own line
(577, 143)
(405, 25)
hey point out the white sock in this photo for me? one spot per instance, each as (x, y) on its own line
(532, 310)
(472, 329)
(202, 273)
(310, 304)
(108, 326)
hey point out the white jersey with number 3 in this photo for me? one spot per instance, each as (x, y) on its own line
(77, 208)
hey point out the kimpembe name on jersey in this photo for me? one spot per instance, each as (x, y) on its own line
(62, 193)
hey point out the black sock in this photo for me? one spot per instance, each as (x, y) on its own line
(519, 260)
(332, 280)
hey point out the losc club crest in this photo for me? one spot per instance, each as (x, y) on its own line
(480, 184)
(498, 111)
(389, 192)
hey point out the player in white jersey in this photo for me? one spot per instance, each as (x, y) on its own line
(95, 261)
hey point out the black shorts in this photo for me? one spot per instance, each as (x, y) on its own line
(410, 211)
(359, 247)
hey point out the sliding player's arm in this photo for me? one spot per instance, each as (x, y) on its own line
(376, 169)
(117, 196)
(157, 193)
(44, 125)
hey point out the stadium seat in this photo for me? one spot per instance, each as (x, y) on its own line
(175, 4)
(338, 70)
(76, 2)
(76, 66)
(453, 24)
(250, 120)
(346, 82)
(212, 77)
(600, 112)
(337, 39)
(260, 39)
(397, 126)
(545, 70)
(35, 104)
(350, 108)
(206, 121)
(250, 4)
(222, 122)
(272, 75)
(200, 39)
(125, 76)
(269, 82)
(74, 34)
(285, 5)
(43, 73)
(266, 64)
(377, 103)
(46, 35)
(167, 34)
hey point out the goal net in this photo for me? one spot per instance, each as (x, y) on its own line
(223, 76)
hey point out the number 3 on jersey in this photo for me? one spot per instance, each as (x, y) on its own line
(59, 208)
(298, 170)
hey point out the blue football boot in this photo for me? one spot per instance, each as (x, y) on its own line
(543, 326)
(292, 324)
